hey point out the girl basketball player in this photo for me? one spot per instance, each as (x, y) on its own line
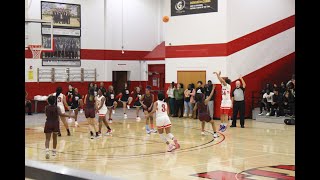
(147, 103)
(52, 124)
(62, 102)
(226, 103)
(101, 110)
(137, 96)
(125, 99)
(89, 112)
(203, 113)
(163, 122)
(110, 102)
(76, 104)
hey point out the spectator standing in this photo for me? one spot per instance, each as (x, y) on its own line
(282, 88)
(187, 104)
(208, 88)
(171, 98)
(178, 96)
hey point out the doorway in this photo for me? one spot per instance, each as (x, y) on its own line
(118, 80)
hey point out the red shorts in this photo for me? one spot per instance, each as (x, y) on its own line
(225, 110)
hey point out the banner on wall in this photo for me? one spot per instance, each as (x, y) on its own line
(30, 74)
(186, 7)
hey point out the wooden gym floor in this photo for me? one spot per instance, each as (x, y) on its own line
(259, 151)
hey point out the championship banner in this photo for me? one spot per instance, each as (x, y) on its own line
(186, 7)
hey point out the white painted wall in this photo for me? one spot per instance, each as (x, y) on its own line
(261, 54)
(246, 16)
(209, 64)
(206, 28)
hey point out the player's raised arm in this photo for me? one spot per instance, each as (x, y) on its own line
(222, 81)
(243, 82)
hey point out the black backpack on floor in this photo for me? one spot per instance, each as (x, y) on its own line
(289, 121)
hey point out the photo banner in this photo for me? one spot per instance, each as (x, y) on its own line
(186, 7)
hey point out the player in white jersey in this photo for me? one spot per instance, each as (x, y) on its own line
(101, 110)
(226, 103)
(163, 122)
(61, 102)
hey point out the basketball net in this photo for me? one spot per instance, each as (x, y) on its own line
(36, 51)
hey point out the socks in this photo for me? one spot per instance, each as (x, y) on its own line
(170, 136)
(108, 127)
(152, 127)
(47, 149)
(91, 133)
(163, 138)
(147, 127)
(97, 134)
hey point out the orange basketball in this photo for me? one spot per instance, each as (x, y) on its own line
(165, 19)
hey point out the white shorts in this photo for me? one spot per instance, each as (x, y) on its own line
(62, 109)
(226, 104)
(163, 122)
(102, 111)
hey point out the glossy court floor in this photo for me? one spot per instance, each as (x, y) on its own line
(259, 151)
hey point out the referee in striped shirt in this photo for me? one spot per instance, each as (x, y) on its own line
(238, 103)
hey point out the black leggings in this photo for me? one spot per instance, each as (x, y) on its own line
(29, 106)
(178, 105)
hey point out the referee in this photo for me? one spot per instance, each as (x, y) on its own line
(238, 103)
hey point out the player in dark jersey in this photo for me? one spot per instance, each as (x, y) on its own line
(111, 103)
(125, 99)
(203, 112)
(52, 124)
(147, 102)
(89, 112)
(76, 104)
(69, 95)
(136, 101)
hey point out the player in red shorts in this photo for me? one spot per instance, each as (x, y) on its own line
(52, 112)
(226, 103)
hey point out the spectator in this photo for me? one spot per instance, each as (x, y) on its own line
(276, 103)
(27, 103)
(266, 102)
(95, 86)
(208, 88)
(103, 89)
(282, 88)
(178, 96)
(199, 83)
(275, 86)
(289, 103)
(292, 80)
(192, 99)
(171, 98)
(187, 104)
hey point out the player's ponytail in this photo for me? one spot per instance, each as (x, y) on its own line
(58, 92)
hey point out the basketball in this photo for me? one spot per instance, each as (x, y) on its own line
(165, 19)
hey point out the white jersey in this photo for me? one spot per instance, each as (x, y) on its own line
(226, 92)
(226, 96)
(162, 109)
(103, 109)
(60, 102)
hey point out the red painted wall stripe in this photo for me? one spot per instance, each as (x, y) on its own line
(226, 49)
(200, 50)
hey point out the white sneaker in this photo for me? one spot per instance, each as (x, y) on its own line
(154, 131)
(47, 155)
(171, 147)
(148, 131)
(76, 124)
(110, 121)
(128, 106)
(260, 114)
(125, 116)
(54, 153)
(113, 111)
(184, 115)
(81, 110)
(215, 135)
(267, 114)
(138, 119)
(92, 137)
(202, 133)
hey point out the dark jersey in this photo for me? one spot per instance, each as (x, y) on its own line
(52, 112)
(69, 96)
(90, 104)
(110, 98)
(147, 100)
(75, 101)
(125, 95)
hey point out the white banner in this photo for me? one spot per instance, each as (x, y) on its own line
(64, 32)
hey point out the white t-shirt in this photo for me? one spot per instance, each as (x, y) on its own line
(268, 97)
(162, 109)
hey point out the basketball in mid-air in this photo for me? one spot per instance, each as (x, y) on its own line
(165, 19)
